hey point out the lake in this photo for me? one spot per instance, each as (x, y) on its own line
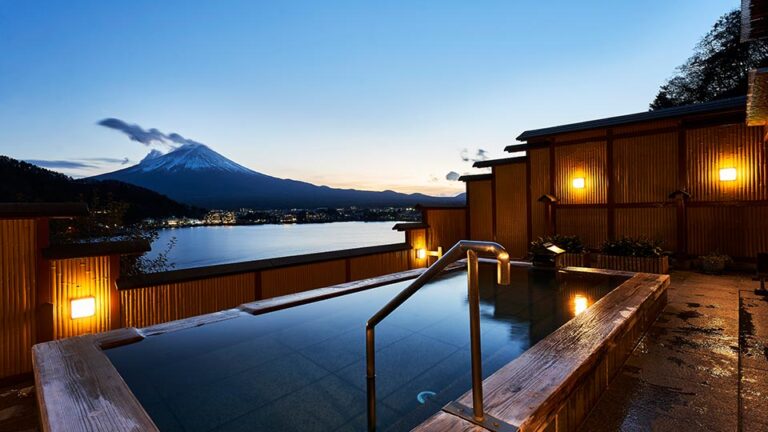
(209, 245)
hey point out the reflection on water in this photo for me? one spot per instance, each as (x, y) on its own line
(580, 303)
(303, 368)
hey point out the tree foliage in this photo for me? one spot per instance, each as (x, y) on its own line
(106, 221)
(718, 69)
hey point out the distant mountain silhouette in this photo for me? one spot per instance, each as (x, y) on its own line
(24, 182)
(197, 175)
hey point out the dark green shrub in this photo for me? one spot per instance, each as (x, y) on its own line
(629, 246)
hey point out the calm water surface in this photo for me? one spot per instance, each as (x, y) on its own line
(202, 246)
(303, 369)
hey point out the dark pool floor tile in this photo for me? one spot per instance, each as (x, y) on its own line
(451, 330)
(325, 405)
(385, 415)
(434, 379)
(163, 417)
(399, 362)
(214, 366)
(206, 407)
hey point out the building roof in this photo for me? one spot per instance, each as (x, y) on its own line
(80, 250)
(475, 177)
(701, 108)
(493, 162)
(23, 210)
(407, 226)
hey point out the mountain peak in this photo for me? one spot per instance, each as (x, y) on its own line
(189, 157)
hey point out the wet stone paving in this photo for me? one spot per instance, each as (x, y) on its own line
(703, 366)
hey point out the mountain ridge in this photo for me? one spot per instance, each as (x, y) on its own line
(195, 174)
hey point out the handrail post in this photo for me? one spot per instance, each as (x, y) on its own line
(370, 375)
(454, 254)
(474, 335)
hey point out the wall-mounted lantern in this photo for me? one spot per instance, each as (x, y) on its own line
(727, 174)
(83, 307)
(578, 183)
(423, 253)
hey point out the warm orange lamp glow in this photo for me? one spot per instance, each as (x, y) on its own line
(83, 307)
(578, 183)
(727, 174)
(423, 253)
(580, 304)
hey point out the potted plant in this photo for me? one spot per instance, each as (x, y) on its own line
(633, 254)
(573, 251)
(714, 263)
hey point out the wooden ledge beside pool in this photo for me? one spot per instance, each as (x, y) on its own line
(555, 383)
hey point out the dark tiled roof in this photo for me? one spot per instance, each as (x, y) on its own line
(33, 210)
(406, 226)
(494, 162)
(79, 250)
(719, 105)
(474, 177)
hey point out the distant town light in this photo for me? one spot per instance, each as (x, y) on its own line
(578, 183)
(727, 174)
(83, 307)
(580, 304)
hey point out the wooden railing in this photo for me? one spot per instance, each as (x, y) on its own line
(159, 297)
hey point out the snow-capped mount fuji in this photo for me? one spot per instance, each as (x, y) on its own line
(195, 174)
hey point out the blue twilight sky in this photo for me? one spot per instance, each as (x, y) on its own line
(379, 95)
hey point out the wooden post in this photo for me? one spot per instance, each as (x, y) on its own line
(610, 192)
(257, 292)
(528, 204)
(44, 289)
(115, 312)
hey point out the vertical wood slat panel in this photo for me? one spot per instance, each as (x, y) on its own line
(539, 162)
(446, 227)
(645, 168)
(76, 278)
(417, 238)
(732, 146)
(290, 280)
(591, 224)
(511, 209)
(377, 265)
(142, 307)
(736, 231)
(587, 161)
(481, 210)
(18, 241)
(658, 223)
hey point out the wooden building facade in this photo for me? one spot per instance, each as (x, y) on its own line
(693, 177)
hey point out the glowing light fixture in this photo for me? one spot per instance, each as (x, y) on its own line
(423, 253)
(578, 183)
(727, 174)
(580, 304)
(83, 307)
(555, 249)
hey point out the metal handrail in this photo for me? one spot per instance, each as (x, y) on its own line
(457, 252)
